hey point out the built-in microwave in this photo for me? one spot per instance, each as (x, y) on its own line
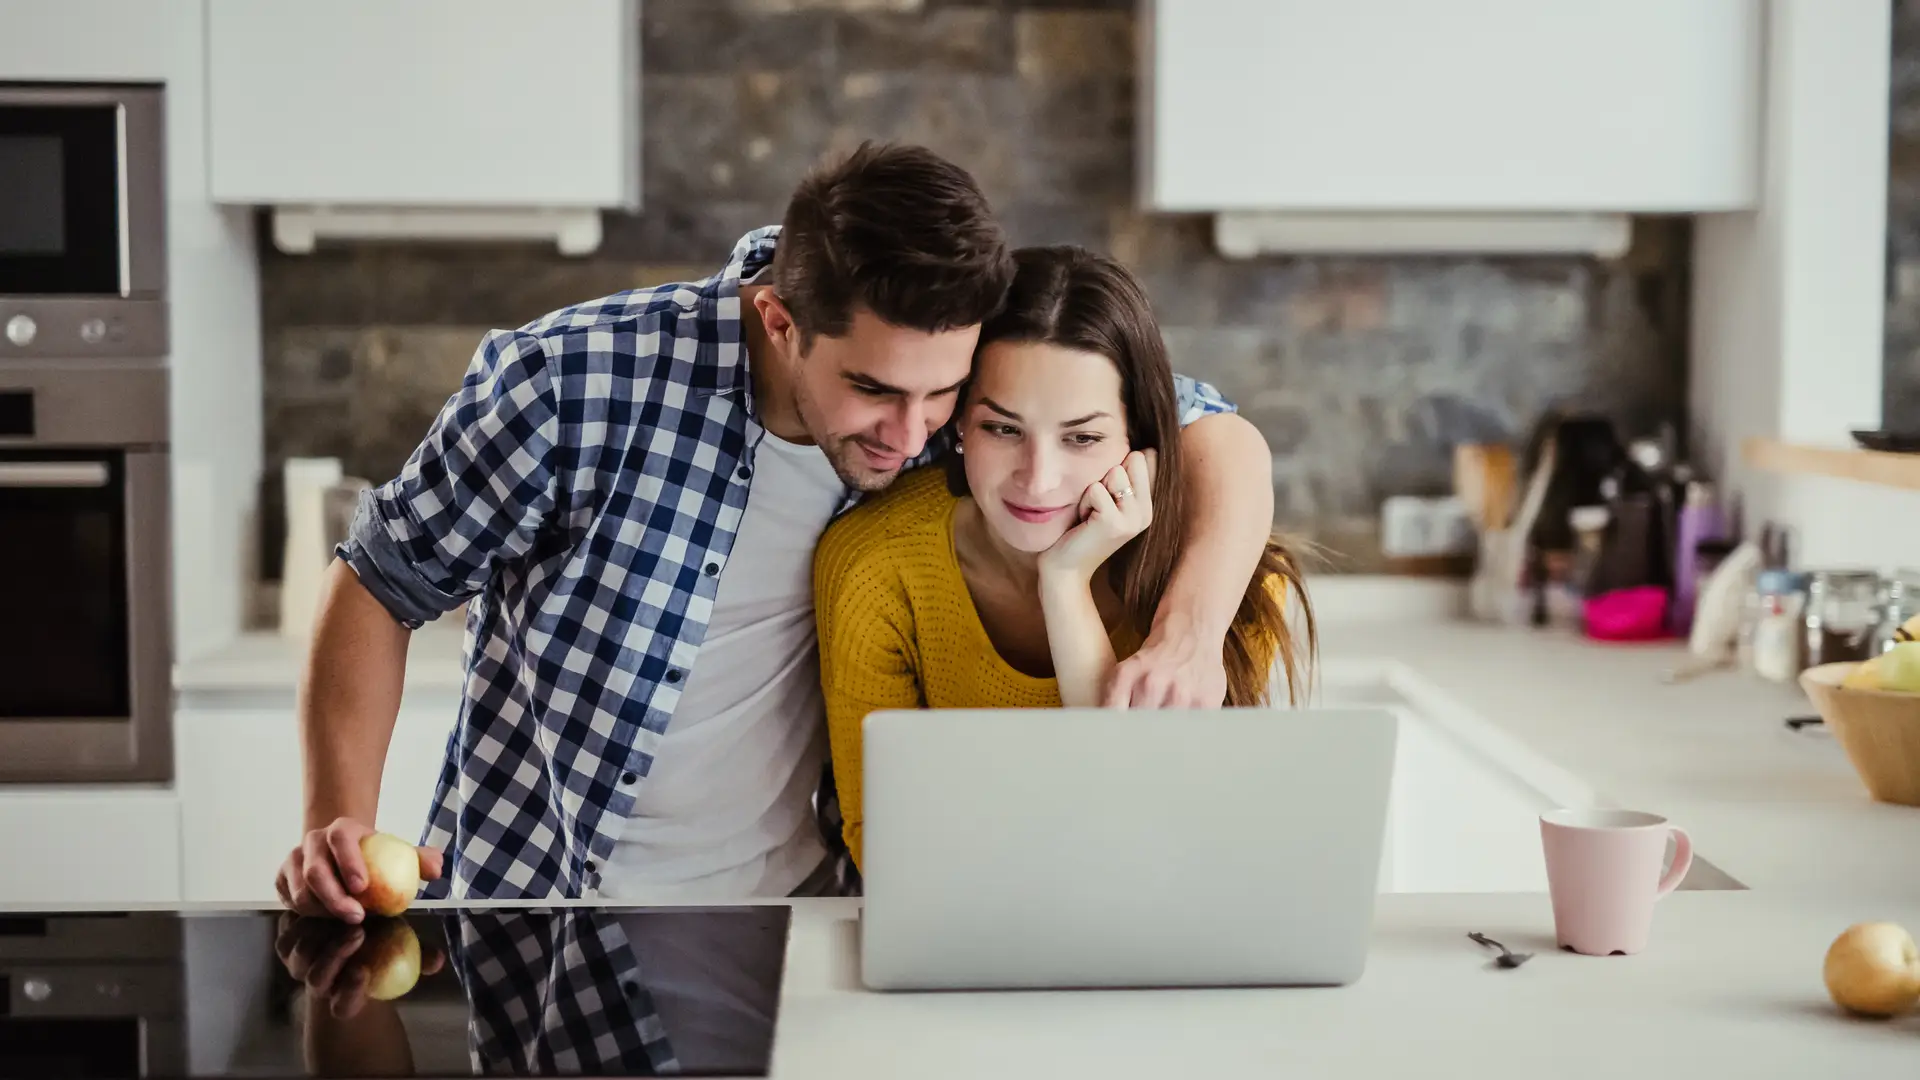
(82, 221)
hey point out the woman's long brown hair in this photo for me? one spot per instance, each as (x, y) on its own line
(1078, 299)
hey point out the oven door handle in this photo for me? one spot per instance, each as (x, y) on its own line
(53, 474)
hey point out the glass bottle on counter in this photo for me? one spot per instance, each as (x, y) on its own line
(1842, 611)
(1899, 601)
(1771, 628)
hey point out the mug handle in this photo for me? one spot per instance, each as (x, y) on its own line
(1682, 861)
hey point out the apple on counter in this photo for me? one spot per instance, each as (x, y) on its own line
(1873, 969)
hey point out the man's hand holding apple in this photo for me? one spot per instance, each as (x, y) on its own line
(347, 869)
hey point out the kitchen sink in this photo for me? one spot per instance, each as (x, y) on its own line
(1464, 808)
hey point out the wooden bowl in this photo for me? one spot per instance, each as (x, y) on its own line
(1879, 729)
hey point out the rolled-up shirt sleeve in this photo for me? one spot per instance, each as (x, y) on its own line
(474, 493)
(1194, 399)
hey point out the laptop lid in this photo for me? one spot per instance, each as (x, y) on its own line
(1010, 848)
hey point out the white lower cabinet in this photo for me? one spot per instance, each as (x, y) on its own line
(89, 844)
(241, 798)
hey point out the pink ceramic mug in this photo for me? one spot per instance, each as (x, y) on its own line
(1604, 874)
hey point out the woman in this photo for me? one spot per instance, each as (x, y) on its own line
(1019, 577)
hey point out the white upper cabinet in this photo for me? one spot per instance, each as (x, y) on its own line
(95, 40)
(425, 103)
(1451, 105)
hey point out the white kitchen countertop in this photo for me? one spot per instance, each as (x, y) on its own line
(1774, 808)
(264, 662)
(1730, 985)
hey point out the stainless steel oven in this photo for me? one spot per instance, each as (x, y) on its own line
(85, 649)
(89, 996)
(83, 267)
(86, 693)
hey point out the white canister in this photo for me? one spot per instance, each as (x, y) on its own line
(308, 548)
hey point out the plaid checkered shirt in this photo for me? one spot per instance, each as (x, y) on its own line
(578, 992)
(580, 493)
(557, 993)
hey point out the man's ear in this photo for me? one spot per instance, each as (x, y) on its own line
(776, 319)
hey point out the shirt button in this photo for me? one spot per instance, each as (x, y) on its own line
(631, 989)
(592, 867)
(673, 675)
(744, 473)
(713, 569)
(629, 778)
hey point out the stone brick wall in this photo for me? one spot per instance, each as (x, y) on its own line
(1362, 372)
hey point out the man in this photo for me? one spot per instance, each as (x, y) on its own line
(629, 491)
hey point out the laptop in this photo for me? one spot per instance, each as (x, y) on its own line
(1070, 848)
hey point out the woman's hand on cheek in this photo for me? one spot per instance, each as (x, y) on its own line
(1112, 511)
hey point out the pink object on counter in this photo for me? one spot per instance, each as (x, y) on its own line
(1636, 614)
(1604, 874)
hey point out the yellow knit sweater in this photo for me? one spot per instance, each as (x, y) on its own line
(898, 629)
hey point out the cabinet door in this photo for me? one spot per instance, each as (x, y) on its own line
(413, 766)
(479, 103)
(104, 40)
(89, 845)
(1486, 105)
(238, 772)
(239, 778)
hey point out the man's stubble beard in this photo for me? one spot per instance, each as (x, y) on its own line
(845, 455)
(843, 451)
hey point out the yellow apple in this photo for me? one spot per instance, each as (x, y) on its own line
(1874, 969)
(1866, 675)
(393, 874)
(1900, 668)
(392, 958)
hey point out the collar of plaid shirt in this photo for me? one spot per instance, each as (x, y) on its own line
(580, 494)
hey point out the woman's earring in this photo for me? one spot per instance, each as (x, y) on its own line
(959, 447)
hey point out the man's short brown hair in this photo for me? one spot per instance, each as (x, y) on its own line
(898, 230)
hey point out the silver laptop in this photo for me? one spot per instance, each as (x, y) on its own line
(1010, 848)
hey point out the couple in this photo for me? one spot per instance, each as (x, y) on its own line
(627, 495)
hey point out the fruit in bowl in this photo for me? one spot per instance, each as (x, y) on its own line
(1900, 668)
(1873, 710)
(1897, 671)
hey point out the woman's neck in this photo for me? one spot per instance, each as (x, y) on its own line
(977, 544)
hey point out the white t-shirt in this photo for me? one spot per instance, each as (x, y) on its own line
(727, 809)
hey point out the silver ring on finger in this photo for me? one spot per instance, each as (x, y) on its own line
(1123, 493)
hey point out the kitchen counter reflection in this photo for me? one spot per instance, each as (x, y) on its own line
(553, 992)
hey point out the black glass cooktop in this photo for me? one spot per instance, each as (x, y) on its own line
(548, 992)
